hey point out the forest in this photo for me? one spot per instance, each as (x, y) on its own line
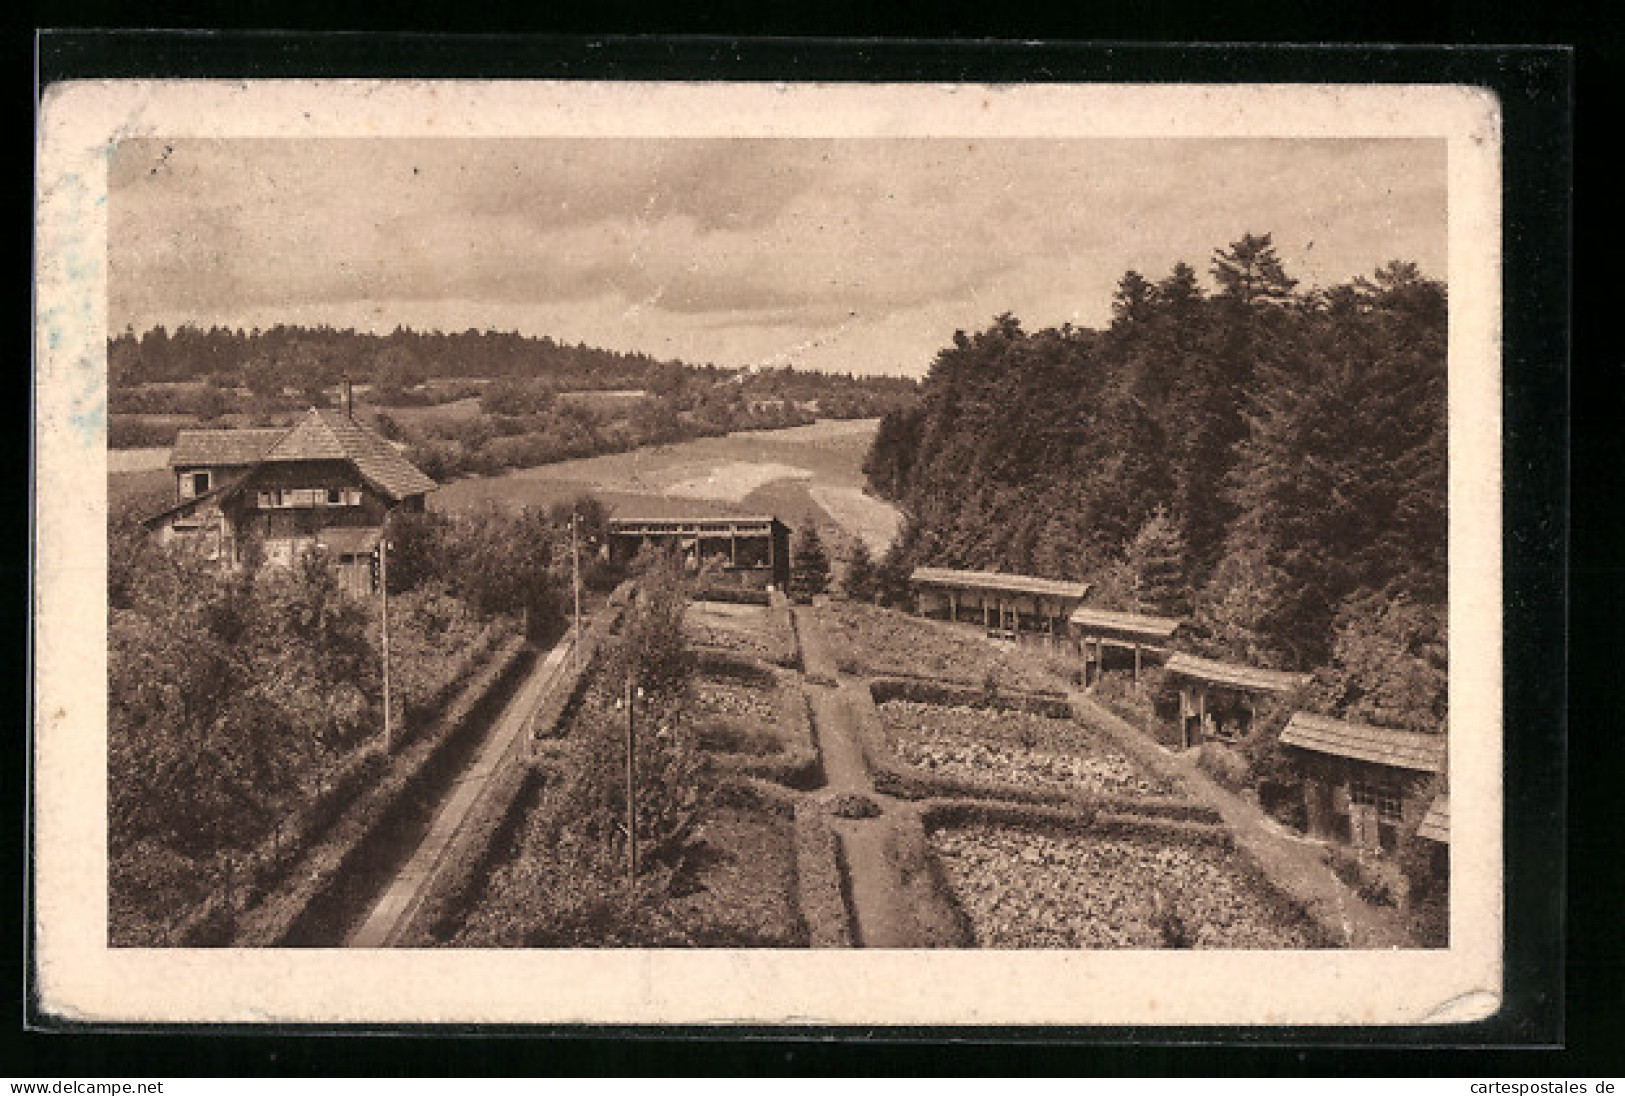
(1267, 461)
(469, 403)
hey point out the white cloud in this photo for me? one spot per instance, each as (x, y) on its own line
(835, 254)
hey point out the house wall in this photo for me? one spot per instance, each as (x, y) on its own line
(748, 559)
(1327, 786)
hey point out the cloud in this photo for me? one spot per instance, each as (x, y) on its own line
(840, 253)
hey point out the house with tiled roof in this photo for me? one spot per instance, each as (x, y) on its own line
(1363, 784)
(328, 482)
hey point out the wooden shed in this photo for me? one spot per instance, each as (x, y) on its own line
(1006, 606)
(1363, 784)
(1135, 634)
(748, 551)
(1217, 700)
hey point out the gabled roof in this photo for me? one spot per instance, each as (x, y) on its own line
(223, 448)
(1436, 823)
(1234, 675)
(1361, 742)
(995, 580)
(225, 486)
(1132, 624)
(331, 435)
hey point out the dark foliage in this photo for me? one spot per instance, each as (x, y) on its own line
(1268, 461)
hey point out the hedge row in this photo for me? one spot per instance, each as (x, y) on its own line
(925, 690)
(488, 832)
(786, 645)
(464, 665)
(938, 919)
(894, 776)
(262, 869)
(732, 595)
(294, 910)
(821, 884)
(1043, 818)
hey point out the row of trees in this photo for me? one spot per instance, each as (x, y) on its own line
(310, 359)
(1267, 461)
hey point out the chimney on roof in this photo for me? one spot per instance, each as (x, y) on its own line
(349, 399)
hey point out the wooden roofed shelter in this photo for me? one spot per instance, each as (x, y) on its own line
(748, 551)
(1363, 784)
(1093, 630)
(1007, 606)
(326, 482)
(1217, 700)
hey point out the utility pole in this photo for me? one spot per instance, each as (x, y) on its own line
(383, 586)
(575, 578)
(631, 794)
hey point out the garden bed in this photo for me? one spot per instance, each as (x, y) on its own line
(1114, 887)
(753, 721)
(737, 889)
(1014, 747)
(881, 642)
(743, 630)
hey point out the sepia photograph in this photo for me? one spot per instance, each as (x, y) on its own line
(575, 557)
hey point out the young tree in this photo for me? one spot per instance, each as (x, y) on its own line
(860, 574)
(892, 586)
(1156, 559)
(809, 566)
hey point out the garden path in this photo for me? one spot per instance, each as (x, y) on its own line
(395, 907)
(891, 906)
(1295, 866)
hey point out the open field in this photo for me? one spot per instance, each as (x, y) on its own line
(802, 474)
(1024, 888)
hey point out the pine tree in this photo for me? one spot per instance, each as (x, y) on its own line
(892, 577)
(1156, 559)
(809, 566)
(860, 574)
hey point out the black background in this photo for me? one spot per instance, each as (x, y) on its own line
(1566, 1005)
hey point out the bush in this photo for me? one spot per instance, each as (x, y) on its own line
(1224, 765)
(820, 879)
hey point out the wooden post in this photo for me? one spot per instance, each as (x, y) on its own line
(1201, 712)
(631, 796)
(575, 580)
(383, 585)
(1136, 665)
(987, 616)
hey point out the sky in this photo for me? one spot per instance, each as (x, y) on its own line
(859, 255)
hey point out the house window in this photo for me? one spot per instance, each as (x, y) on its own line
(1382, 794)
(200, 483)
(335, 496)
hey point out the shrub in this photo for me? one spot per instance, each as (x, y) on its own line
(1224, 765)
(848, 805)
